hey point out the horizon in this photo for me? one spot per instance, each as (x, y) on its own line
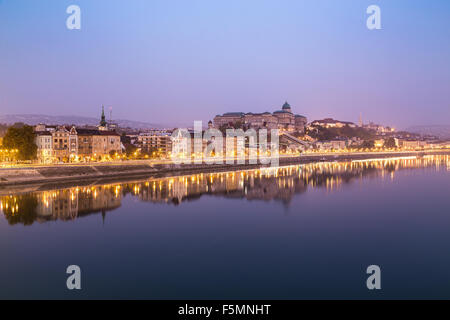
(194, 60)
(188, 125)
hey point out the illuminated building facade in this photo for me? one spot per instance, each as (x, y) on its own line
(44, 147)
(283, 119)
(331, 123)
(158, 142)
(69, 144)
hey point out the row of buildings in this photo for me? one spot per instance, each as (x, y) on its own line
(69, 143)
(286, 121)
(404, 144)
(160, 142)
(57, 144)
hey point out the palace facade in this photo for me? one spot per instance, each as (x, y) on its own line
(283, 119)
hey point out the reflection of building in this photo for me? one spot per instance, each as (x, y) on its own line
(267, 184)
(282, 119)
(98, 199)
(64, 204)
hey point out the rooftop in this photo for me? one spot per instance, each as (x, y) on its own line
(286, 106)
(43, 133)
(233, 114)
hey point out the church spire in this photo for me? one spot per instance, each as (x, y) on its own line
(103, 119)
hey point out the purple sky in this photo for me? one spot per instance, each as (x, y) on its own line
(182, 60)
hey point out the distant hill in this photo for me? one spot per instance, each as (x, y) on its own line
(442, 131)
(33, 119)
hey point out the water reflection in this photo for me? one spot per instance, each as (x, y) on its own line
(280, 184)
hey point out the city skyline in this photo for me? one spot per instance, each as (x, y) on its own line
(224, 158)
(166, 63)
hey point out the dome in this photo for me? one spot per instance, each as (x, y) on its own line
(286, 106)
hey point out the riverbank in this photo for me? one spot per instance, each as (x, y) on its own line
(80, 174)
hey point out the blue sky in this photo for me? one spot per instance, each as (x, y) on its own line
(169, 61)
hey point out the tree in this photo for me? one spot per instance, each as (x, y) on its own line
(130, 149)
(125, 139)
(22, 139)
(3, 129)
(238, 125)
(151, 152)
(368, 144)
(390, 143)
(322, 133)
(25, 212)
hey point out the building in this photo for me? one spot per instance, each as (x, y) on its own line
(331, 123)
(44, 143)
(60, 145)
(283, 119)
(155, 142)
(229, 119)
(97, 144)
(71, 144)
(41, 127)
(410, 144)
(378, 128)
(331, 145)
(379, 143)
(103, 125)
(184, 144)
(86, 143)
(105, 144)
(107, 125)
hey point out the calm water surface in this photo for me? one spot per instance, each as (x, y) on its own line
(295, 232)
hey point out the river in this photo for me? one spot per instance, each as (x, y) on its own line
(297, 232)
